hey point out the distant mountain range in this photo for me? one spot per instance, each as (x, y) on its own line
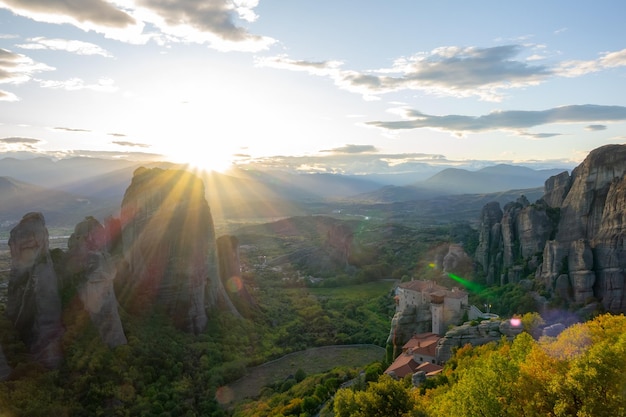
(456, 181)
(69, 189)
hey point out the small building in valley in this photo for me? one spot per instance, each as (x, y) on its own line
(418, 354)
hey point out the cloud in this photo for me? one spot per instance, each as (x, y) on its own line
(18, 140)
(214, 22)
(595, 128)
(350, 163)
(74, 84)
(72, 46)
(130, 144)
(132, 156)
(17, 69)
(117, 135)
(84, 13)
(451, 71)
(506, 120)
(71, 129)
(579, 68)
(352, 149)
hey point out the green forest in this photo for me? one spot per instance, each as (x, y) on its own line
(163, 371)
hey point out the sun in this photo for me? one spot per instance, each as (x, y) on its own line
(204, 159)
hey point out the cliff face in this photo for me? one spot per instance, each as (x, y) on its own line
(486, 332)
(33, 302)
(230, 273)
(169, 244)
(507, 237)
(91, 270)
(578, 226)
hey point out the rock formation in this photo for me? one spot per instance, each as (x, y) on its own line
(230, 273)
(339, 238)
(34, 304)
(169, 244)
(485, 332)
(572, 239)
(92, 272)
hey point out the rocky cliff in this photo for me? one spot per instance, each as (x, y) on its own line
(90, 271)
(169, 245)
(161, 253)
(230, 273)
(571, 241)
(474, 334)
(33, 302)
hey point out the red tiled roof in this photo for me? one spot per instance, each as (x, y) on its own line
(422, 344)
(429, 369)
(403, 365)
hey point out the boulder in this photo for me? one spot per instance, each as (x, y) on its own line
(34, 303)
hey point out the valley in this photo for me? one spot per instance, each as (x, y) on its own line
(168, 302)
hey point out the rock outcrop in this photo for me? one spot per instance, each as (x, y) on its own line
(509, 237)
(34, 303)
(91, 270)
(230, 273)
(169, 244)
(485, 332)
(571, 240)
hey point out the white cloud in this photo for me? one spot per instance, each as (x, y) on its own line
(215, 22)
(17, 69)
(450, 71)
(74, 84)
(72, 46)
(512, 120)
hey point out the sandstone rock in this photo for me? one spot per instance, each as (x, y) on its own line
(553, 330)
(339, 237)
(456, 260)
(578, 225)
(417, 378)
(563, 288)
(34, 304)
(93, 272)
(406, 323)
(169, 245)
(485, 332)
(582, 208)
(556, 188)
(230, 273)
(490, 240)
(534, 227)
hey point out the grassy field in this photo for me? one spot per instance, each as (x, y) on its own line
(361, 292)
(312, 361)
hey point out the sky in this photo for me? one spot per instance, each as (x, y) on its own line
(322, 86)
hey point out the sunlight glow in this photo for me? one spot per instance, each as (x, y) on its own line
(205, 159)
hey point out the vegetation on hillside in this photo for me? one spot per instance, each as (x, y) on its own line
(579, 373)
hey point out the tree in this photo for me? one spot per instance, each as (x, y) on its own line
(385, 398)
